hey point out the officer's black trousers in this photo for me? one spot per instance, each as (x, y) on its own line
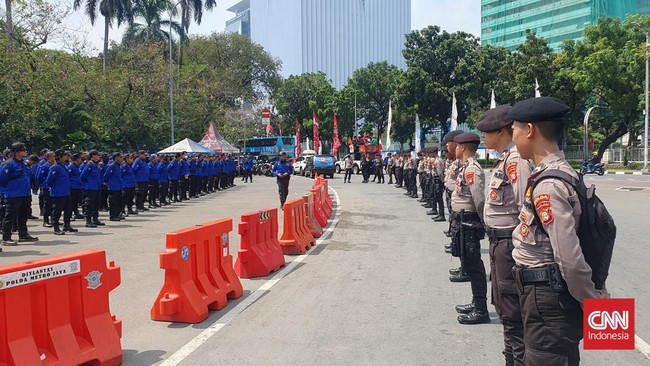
(248, 174)
(173, 190)
(77, 200)
(505, 298)
(192, 185)
(141, 194)
(153, 192)
(163, 188)
(47, 205)
(184, 184)
(61, 205)
(127, 199)
(283, 188)
(115, 204)
(438, 191)
(103, 192)
(348, 175)
(16, 210)
(91, 205)
(552, 326)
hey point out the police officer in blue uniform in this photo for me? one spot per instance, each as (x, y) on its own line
(58, 180)
(153, 180)
(43, 171)
(113, 181)
(282, 170)
(15, 178)
(163, 180)
(128, 186)
(184, 171)
(92, 183)
(141, 171)
(173, 172)
(74, 171)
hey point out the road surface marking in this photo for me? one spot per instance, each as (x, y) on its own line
(642, 346)
(203, 337)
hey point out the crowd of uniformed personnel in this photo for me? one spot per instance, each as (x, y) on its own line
(79, 185)
(538, 273)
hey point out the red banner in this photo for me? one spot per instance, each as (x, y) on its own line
(316, 134)
(337, 142)
(298, 146)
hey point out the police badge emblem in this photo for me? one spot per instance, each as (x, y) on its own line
(94, 280)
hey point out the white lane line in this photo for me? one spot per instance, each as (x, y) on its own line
(642, 346)
(203, 337)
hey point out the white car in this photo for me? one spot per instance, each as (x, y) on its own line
(299, 165)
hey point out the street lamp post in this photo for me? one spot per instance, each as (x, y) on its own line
(585, 148)
(647, 99)
(171, 71)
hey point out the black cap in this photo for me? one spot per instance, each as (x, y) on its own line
(542, 109)
(76, 156)
(93, 152)
(494, 119)
(59, 153)
(18, 146)
(116, 155)
(449, 137)
(282, 153)
(140, 152)
(467, 138)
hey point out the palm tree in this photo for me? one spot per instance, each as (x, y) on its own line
(153, 29)
(120, 10)
(191, 8)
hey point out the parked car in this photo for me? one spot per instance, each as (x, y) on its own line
(321, 164)
(299, 165)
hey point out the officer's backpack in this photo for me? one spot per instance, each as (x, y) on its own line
(597, 232)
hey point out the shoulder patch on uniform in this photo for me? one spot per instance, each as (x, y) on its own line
(469, 177)
(511, 168)
(543, 206)
(523, 230)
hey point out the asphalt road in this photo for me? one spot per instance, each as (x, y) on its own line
(375, 291)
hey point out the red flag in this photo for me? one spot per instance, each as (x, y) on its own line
(298, 147)
(269, 129)
(316, 134)
(337, 142)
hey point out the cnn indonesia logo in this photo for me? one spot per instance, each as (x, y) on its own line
(608, 323)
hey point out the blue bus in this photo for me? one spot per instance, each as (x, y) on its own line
(269, 145)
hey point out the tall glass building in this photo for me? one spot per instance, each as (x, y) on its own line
(336, 37)
(504, 22)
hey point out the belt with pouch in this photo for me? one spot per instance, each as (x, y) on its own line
(549, 275)
(498, 234)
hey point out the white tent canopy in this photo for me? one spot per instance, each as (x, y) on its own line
(189, 146)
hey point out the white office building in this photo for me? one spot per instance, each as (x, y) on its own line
(336, 37)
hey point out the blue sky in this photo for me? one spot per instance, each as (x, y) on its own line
(450, 15)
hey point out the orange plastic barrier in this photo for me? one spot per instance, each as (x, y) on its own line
(55, 311)
(325, 197)
(296, 238)
(319, 212)
(260, 253)
(198, 273)
(314, 228)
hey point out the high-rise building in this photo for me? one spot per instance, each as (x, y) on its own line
(505, 22)
(336, 37)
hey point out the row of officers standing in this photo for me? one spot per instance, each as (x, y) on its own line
(538, 272)
(93, 182)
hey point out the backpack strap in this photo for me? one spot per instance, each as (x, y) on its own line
(547, 174)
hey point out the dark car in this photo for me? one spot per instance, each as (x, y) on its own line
(321, 164)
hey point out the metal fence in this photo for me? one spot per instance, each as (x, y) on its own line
(611, 155)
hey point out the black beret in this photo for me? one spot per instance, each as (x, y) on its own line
(60, 152)
(115, 155)
(494, 119)
(449, 137)
(539, 109)
(93, 152)
(76, 156)
(467, 138)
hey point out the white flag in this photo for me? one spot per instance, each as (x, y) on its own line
(390, 122)
(493, 102)
(537, 93)
(418, 148)
(454, 114)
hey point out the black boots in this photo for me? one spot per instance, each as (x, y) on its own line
(474, 313)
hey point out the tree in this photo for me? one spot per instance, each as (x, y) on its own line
(433, 58)
(375, 85)
(154, 28)
(608, 64)
(299, 96)
(119, 10)
(189, 9)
